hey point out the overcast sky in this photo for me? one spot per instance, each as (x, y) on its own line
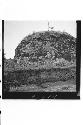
(15, 31)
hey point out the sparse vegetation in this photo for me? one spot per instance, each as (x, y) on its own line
(41, 58)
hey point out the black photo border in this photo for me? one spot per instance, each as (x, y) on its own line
(47, 95)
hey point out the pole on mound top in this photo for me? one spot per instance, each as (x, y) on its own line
(48, 26)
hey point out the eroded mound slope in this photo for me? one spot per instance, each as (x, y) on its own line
(47, 45)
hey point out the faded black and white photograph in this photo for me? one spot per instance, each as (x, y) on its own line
(41, 59)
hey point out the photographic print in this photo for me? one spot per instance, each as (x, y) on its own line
(41, 59)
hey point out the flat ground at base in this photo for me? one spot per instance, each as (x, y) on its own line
(59, 86)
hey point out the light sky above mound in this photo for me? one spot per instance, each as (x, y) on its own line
(15, 31)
